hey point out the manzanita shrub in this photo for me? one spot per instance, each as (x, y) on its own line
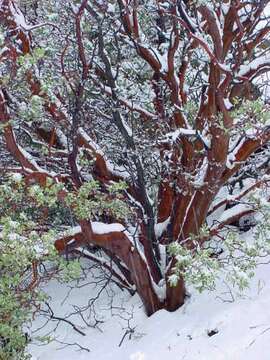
(140, 127)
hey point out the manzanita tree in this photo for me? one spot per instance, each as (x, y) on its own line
(142, 118)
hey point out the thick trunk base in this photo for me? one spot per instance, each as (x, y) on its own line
(175, 298)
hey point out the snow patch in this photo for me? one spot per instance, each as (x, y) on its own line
(161, 227)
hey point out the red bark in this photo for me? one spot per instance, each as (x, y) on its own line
(181, 202)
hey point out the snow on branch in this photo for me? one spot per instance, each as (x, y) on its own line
(251, 69)
(20, 20)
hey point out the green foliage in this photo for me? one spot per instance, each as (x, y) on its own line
(69, 270)
(250, 113)
(20, 248)
(89, 201)
(202, 267)
(24, 244)
(190, 109)
(198, 267)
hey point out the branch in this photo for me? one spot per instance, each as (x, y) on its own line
(247, 148)
(53, 317)
(236, 198)
(121, 282)
(230, 216)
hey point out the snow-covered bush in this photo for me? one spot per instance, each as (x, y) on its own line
(26, 246)
(160, 96)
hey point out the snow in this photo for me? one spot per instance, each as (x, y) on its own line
(230, 163)
(201, 174)
(137, 356)
(127, 128)
(90, 141)
(102, 228)
(161, 227)
(17, 177)
(233, 211)
(241, 325)
(189, 20)
(130, 104)
(20, 19)
(136, 107)
(18, 16)
(225, 8)
(33, 162)
(98, 228)
(253, 65)
(162, 60)
(160, 290)
(187, 210)
(174, 135)
(111, 8)
(3, 49)
(228, 104)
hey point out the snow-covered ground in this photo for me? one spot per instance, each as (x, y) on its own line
(240, 326)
